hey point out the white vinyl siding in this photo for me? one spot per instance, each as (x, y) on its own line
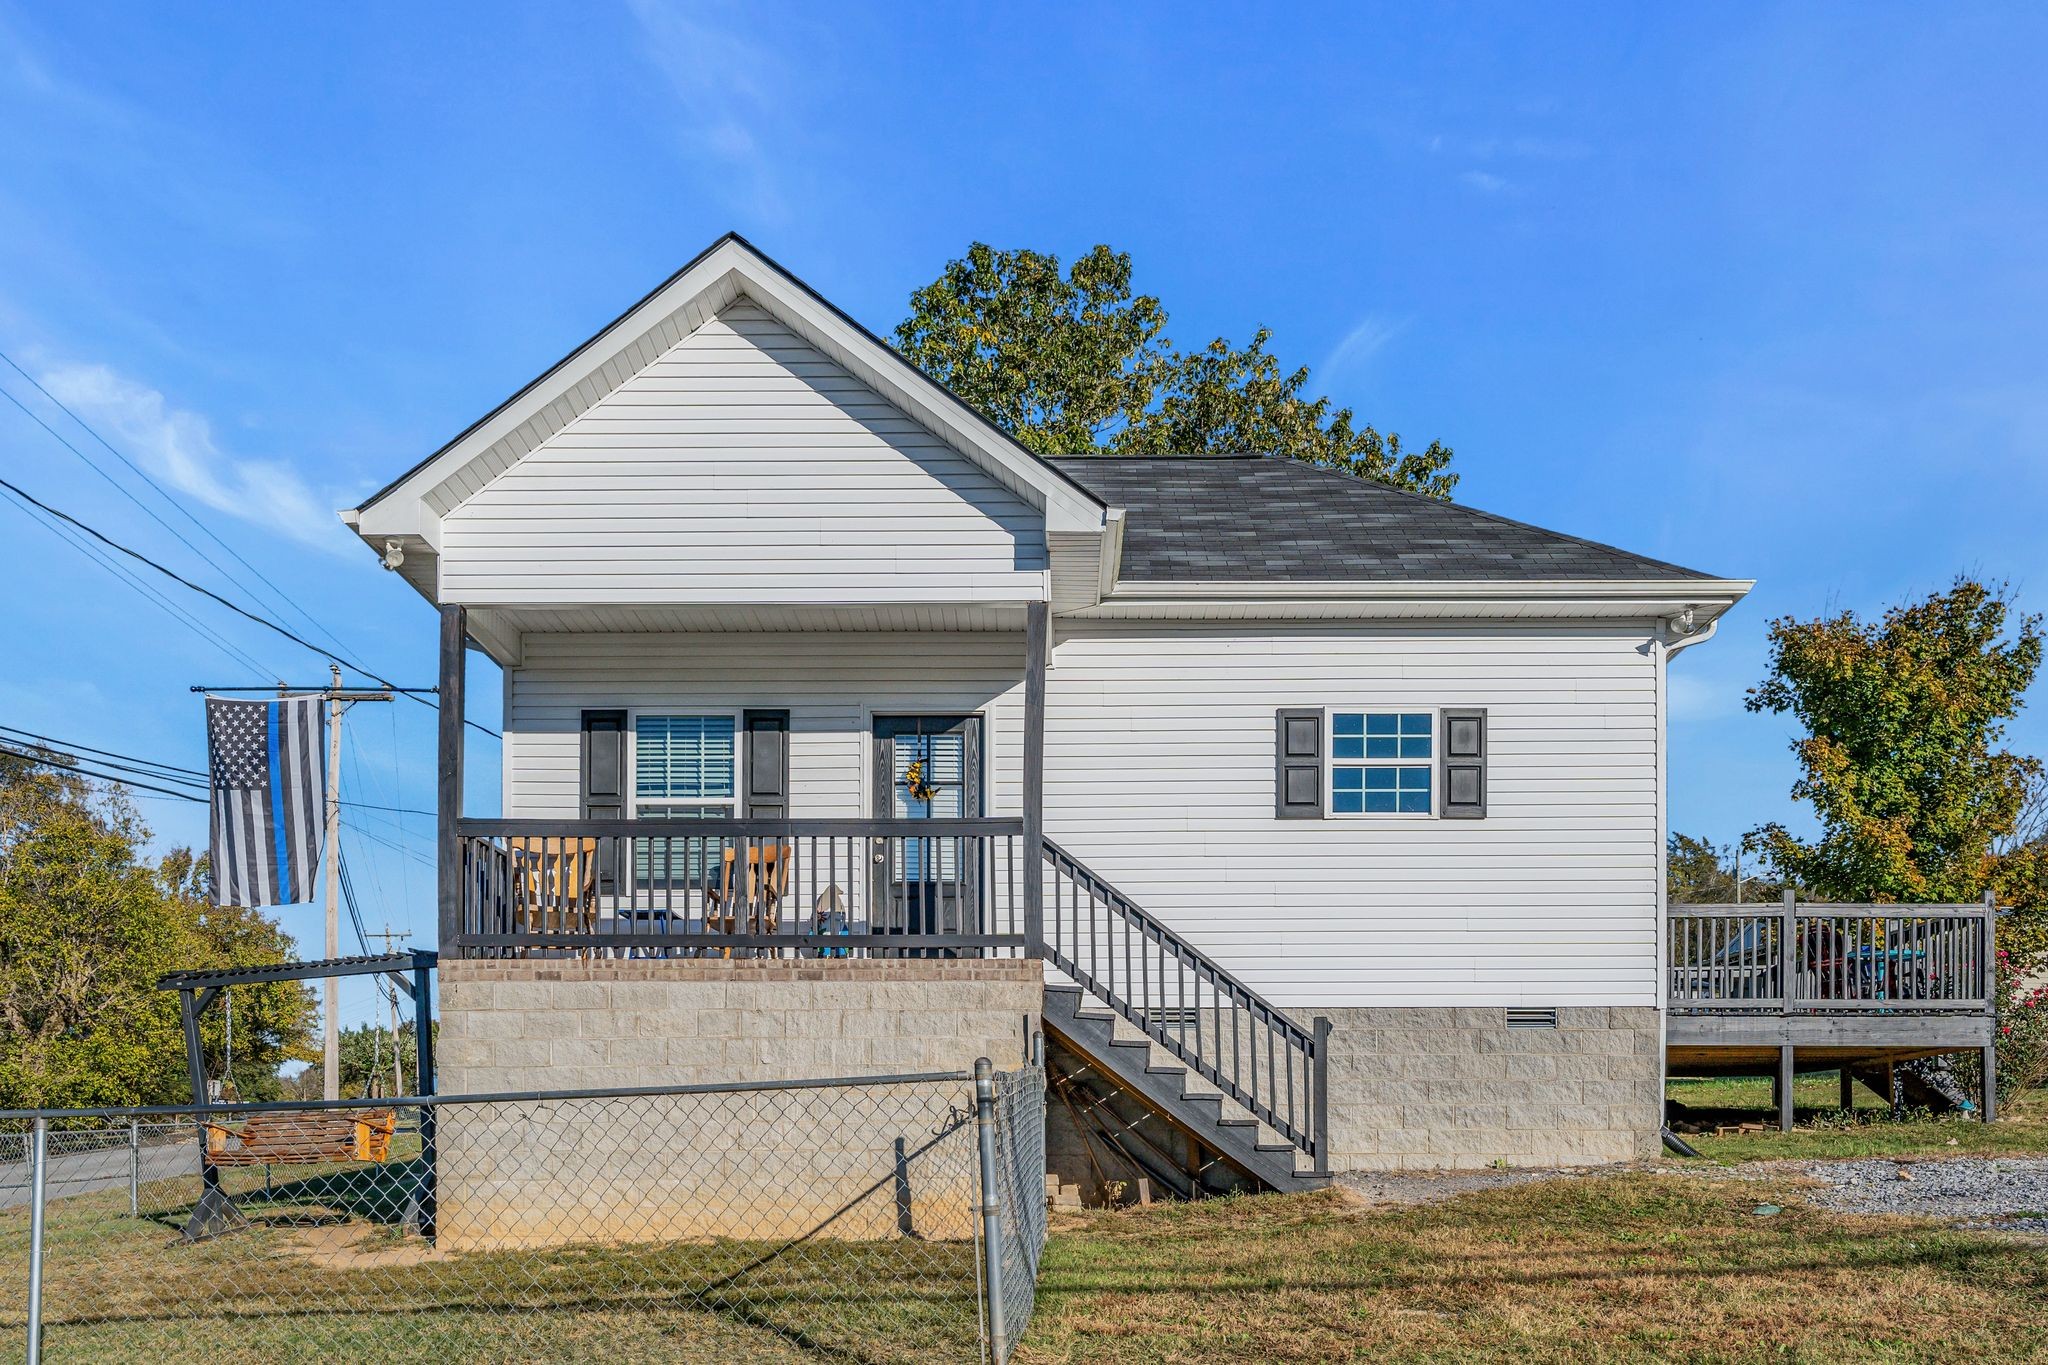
(832, 685)
(1159, 775)
(742, 466)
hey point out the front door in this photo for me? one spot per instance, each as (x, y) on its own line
(928, 768)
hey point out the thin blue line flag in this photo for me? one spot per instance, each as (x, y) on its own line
(267, 769)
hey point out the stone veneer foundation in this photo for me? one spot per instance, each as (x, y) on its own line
(1451, 1087)
(771, 1163)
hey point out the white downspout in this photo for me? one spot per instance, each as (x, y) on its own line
(1687, 636)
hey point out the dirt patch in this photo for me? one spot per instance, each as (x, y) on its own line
(360, 1246)
(1381, 1189)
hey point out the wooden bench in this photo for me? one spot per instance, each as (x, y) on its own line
(302, 1139)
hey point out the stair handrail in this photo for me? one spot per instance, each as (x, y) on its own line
(1307, 1131)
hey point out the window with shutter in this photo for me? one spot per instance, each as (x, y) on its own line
(1382, 762)
(684, 768)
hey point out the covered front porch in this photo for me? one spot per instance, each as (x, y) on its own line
(784, 787)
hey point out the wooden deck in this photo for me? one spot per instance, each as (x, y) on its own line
(1819, 987)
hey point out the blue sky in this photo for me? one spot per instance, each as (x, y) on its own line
(1755, 288)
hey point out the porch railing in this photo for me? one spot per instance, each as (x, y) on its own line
(1795, 958)
(1272, 1065)
(796, 888)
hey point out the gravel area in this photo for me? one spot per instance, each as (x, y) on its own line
(2003, 1192)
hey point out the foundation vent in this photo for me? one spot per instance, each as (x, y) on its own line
(1531, 1016)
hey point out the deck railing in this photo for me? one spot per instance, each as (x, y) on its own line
(795, 888)
(1184, 1001)
(1796, 958)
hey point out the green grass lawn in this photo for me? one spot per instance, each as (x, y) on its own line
(1632, 1267)
(1825, 1132)
(1641, 1265)
(324, 1273)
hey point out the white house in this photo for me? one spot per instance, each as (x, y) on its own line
(1320, 821)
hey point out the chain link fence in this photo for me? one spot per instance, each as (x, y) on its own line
(738, 1223)
(1019, 1186)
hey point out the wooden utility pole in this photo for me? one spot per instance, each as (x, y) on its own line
(332, 1087)
(338, 700)
(391, 993)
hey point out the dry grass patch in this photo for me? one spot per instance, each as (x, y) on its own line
(1621, 1267)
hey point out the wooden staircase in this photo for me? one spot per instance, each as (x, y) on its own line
(1218, 1128)
(1240, 1079)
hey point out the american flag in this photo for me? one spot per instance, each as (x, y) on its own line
(267, 771)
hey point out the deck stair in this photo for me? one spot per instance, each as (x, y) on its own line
(1164, 1028)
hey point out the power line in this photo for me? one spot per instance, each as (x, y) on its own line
(161, 492)
(348, 897)
(147, 767)
(88, 749)
(103, 777)
(105, 561)
(125, 492)
(238, 609)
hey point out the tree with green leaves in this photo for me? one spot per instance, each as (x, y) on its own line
(366, 1063)
(1078, 363)
(1900, 755)
(87, 928)
(1699, 872)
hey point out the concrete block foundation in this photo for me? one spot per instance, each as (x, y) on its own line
(1456, 1088)
(764, 1164)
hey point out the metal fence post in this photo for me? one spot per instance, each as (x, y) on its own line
(39, 1175)
(134, 1169)
(991, 1209)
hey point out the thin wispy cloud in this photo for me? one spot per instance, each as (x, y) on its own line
(178, 448)
(1502, 153)
(734, 93)
(1360, 345)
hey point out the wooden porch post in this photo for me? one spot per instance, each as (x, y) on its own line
(448, 805)
(1785, 1079)
(1037, 653)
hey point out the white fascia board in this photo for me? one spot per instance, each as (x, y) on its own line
(1112, 553)
(1707, 598)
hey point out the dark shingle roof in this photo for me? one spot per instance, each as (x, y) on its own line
(1255, 519)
